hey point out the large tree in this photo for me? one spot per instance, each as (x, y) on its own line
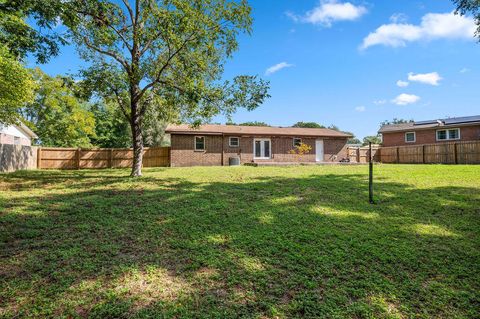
(16, 87)
(19, 38)
(38, 36)
(168, 53)
(58, 115)
(470, 6)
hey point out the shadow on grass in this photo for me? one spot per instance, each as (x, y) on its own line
(108, 246)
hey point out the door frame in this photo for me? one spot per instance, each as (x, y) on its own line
(316, 151)
(262, 148)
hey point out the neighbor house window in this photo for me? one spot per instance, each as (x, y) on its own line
(410, 137)
(16, 140)
(297, 142)
(446, 135)
(199, 143)
(234, 142)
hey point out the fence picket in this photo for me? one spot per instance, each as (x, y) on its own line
(76, 158)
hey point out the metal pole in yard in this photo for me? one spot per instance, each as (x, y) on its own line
(370, 175)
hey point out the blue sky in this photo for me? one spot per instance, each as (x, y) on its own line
(352, 63)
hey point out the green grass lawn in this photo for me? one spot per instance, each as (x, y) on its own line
(253, 242)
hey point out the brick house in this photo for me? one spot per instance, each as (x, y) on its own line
(16, 134)
(431, 132)
(211, 145)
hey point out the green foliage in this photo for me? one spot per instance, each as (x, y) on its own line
(242, 242)
(111, 128)
(308, 125)
(469, 7)
(375, 139)
(21, 38)
(16, 87)
(354, 141)
(59, 117)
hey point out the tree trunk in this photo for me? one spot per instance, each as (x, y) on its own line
(137, 145)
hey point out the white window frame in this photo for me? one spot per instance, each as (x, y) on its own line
(195, 143)
(414, 137)
(230, 141)
(447, 134)
(296, 138)
(262, 148)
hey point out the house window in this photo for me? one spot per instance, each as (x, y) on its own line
(410, 137)
(297, 142)
(446, 135)
(234, 142)
(16, 140)
(199, 143)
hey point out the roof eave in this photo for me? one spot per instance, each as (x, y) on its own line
(257, 134)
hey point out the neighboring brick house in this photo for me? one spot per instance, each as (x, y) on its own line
(211, 145)
(16, 134)
(430, 132)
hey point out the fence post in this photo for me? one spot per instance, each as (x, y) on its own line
(455, 153)
(39, 158)
(370, 174)
(423, 153)
(398, 155)
(110, 158)
(78, 157)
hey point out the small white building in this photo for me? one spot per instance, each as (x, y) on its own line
(16, 134)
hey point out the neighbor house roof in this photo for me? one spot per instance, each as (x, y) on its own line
(27, 130)
(422, 125)
(20, 127)
(210, 129)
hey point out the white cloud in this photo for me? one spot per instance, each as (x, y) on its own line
(380, 102)
(329, 11)
(464, 70)
(277, 67)
(426, 78)
(432, 26)
(402, 84)
(404, 99)
(360, 109)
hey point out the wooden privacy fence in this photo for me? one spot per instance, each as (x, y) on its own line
(362, 154)
(445, 153)
(78, 158)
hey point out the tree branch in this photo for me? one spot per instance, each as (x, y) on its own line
(120, 102)
(120, 35)
(167, 63)
(107, 52)
(129, 9)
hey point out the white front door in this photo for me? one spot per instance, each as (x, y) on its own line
(319, 150)
(262, 148)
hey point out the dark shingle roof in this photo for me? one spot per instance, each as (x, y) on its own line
(254, 130)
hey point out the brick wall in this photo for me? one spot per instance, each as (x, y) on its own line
(182, 151)
(10, 139)
(183, 154)
(467, 133)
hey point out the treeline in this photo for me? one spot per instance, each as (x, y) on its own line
(64, 114)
